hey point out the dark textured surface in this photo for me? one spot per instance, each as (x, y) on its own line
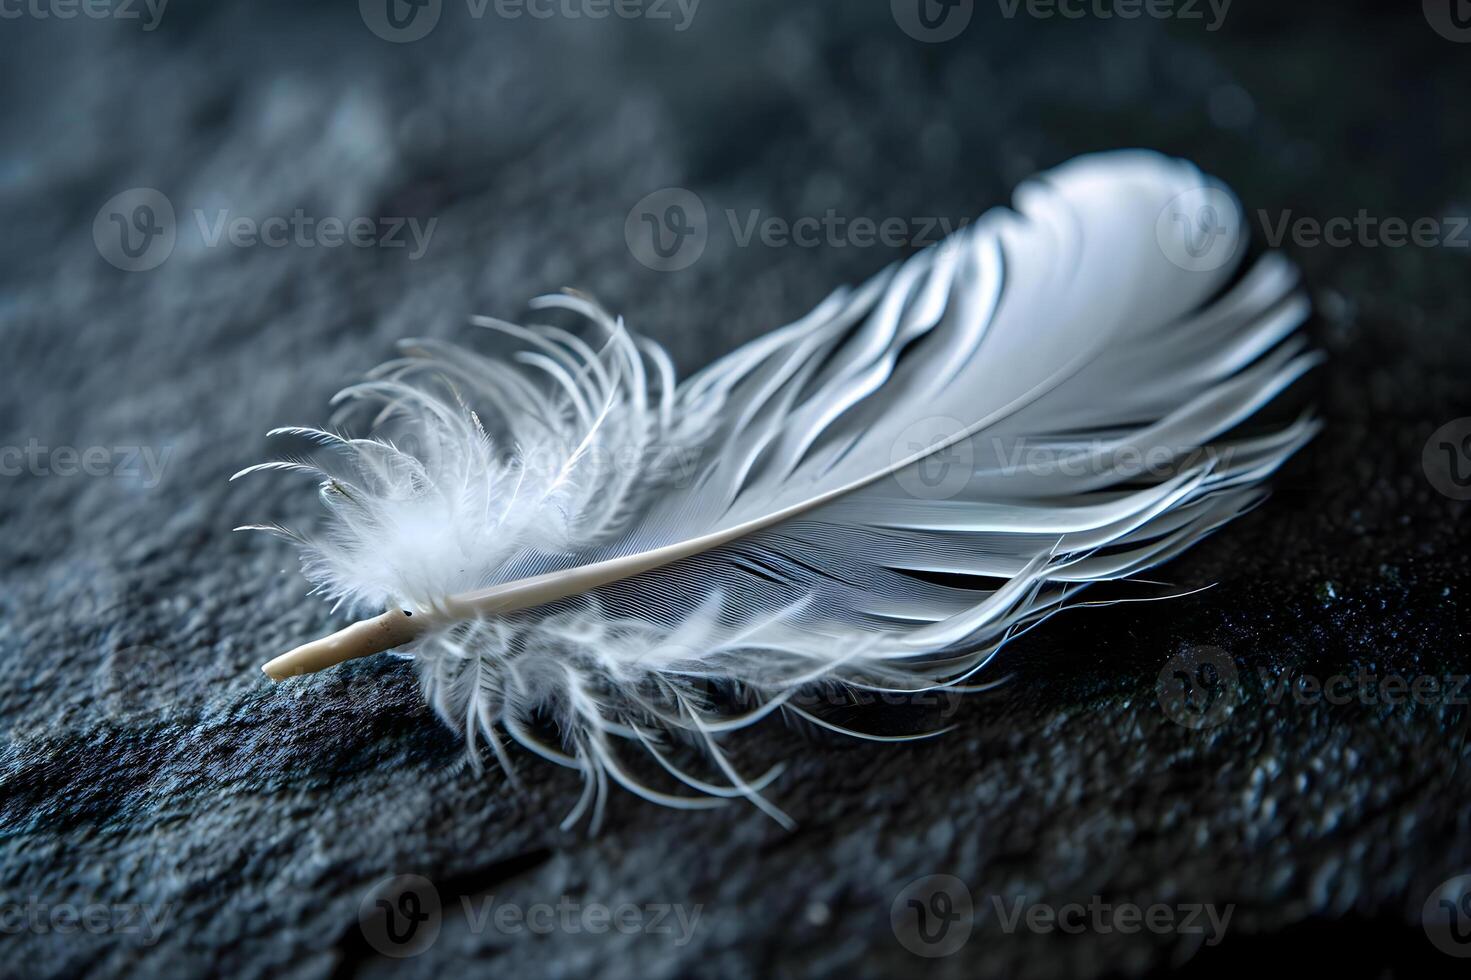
(145, 759)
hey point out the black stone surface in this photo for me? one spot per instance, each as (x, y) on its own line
(147, 765)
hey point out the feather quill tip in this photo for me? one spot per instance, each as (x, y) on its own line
(392, 629)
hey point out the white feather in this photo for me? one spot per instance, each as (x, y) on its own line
(769, 523)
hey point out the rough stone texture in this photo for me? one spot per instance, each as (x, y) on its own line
(145, 760)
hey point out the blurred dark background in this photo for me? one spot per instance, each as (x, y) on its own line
(145, 763)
